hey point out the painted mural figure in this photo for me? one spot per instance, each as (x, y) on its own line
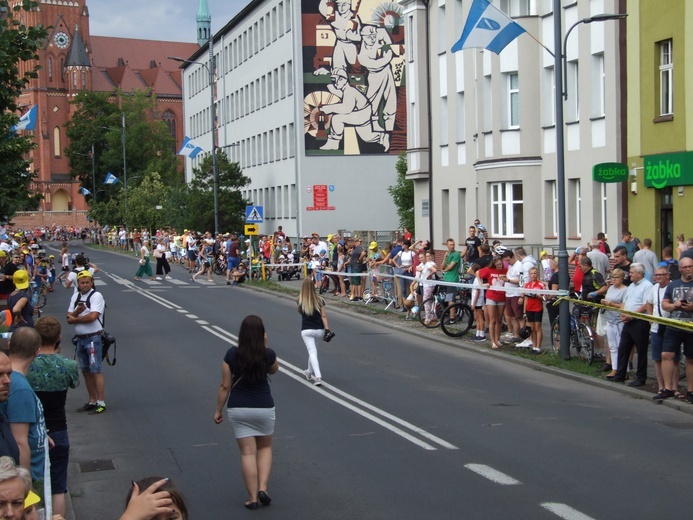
(376, 55)
(346, 26)
(353, 110)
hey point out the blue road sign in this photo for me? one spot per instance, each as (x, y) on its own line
(253, 214)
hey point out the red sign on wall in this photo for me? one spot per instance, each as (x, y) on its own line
(320, 199)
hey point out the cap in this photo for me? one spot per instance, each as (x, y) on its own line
(247, 241)
(84, 274)
(2, 253)
(329, 237)
(51, 256)
(357, 238)
(322, 251)
(578, 250)
(373, 245)
(542, 255)
(21, 279)
(31, 499)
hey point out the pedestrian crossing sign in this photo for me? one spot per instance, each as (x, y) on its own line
(253, 214)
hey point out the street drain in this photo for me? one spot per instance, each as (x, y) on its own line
(96, 465)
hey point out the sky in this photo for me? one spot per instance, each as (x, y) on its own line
(167, 20)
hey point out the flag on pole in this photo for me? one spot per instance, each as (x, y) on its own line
(27, 121)
(487, 28)
(85, 191)
(110, 179)
(190, 148)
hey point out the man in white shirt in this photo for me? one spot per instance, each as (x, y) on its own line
(85, 313)
(599, 260)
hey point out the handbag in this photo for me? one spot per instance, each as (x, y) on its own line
(142, 261)
(157, 253)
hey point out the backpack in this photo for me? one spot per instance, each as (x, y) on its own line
(673, 267)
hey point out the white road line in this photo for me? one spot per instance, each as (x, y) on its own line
(492, 474)
(182, 311)
(383, 413)
(564, 511)
(202, 322)
(230, 338)
(363, 413)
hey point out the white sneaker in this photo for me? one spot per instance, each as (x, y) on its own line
(525, 344)
(169, 277)
(318, 381)
(158, 278)
(307, 375)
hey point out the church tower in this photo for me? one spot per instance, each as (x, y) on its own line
(204, 23)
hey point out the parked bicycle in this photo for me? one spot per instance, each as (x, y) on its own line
(581, 335)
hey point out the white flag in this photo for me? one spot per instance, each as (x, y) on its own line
(190, 148)
(487, 28)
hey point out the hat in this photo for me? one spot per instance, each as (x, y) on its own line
(31, 499)
(51, 256)
(21, 279)
(247, 241)
(329, 237)
(542, 255)
(357, 238)
(84, 274)
(2, 253)
(578, 250)
(373, 245)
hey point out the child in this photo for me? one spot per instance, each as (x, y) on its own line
(410, 301)
(478, 302)
(51, 272)
(534, 309)
(312, 269)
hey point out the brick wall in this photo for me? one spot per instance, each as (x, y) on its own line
(38, 219)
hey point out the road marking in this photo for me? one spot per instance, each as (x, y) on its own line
(492, 474)
(564, 511)
(230, 338)
(191, 316)
(202, 322)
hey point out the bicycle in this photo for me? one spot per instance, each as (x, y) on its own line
(581, 336)
(432, 309)
(462, 321)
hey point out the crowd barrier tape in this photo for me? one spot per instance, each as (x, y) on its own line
(669, 322)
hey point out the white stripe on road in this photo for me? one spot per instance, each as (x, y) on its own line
(492, 474)
(385, 414)
(224, 335)
(564, 511)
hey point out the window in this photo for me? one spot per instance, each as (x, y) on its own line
(443, 121)
(549, 97)
(513, 100)
(56, 141)
(574, 208)
(507, 209)
(666, 78)
(598, 86)
(170, 121)
(459, 118)
(84, 80)
(572, 90)
(50, 68)
(515, 7)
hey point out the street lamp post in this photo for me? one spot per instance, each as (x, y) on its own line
(560, 62)
(93, 172)
(213, 117)
(125, 167)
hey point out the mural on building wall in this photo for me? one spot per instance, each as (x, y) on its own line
(354, 88)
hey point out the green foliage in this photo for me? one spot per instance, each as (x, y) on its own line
(403, 194)
(148, 148)
(18, 44)
(231, 204)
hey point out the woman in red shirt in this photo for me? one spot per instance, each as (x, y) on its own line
(494, 276)
(534, 309)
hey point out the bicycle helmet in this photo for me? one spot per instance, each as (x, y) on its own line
(525, 332)
(481, 228)
(500, 250)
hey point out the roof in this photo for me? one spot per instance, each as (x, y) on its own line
(77, 56)
(135, 64)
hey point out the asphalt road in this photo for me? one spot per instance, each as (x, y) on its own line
(403, 428)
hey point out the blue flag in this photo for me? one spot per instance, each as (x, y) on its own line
(85, 191)
(27, 121)
(110, 179)
(487, 28)
(190, 148)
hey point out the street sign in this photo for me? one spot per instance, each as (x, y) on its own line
(251, 229)
(253, 215)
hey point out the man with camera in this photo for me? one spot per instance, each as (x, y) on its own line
(85, 313)
(81, 263)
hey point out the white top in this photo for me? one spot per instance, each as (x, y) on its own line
(514, 273)
(96, 304)
(654, 298)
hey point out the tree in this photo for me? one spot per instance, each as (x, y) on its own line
(18, 46)
(403, 194)
(200, 207)
(98, 121)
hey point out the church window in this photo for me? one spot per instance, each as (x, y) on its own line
(56, 141)
(50, 68)
(170, 120)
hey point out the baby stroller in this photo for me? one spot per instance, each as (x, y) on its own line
(286, 271)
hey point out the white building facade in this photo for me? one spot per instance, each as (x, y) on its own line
(493, 127)
(263, 121)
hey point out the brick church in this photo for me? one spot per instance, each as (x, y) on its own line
(72, 60)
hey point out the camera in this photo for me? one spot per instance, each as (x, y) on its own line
(327, 337)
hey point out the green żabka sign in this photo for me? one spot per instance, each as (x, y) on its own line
(668, 169)
(609, 172)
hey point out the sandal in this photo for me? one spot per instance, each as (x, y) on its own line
(679, 396)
